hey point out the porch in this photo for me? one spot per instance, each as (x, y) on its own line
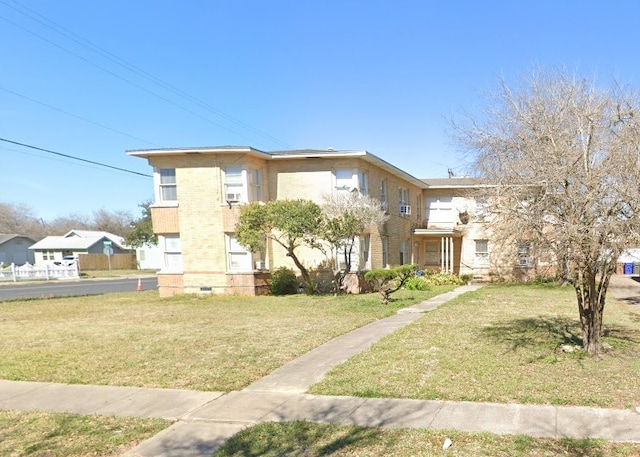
(437, 249)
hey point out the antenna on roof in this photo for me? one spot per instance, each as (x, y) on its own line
(451, 173)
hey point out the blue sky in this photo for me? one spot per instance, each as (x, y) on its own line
(383, 76)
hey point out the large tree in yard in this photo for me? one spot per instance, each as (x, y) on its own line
(290, 223)
(564, 155)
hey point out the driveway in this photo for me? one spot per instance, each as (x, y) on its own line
(627, 289)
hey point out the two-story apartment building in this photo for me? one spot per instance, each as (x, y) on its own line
(198, 192)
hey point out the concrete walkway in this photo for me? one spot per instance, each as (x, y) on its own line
(205, 420)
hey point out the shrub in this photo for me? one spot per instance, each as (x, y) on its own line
(416, 283)
(444, 279)
(388, 281)
(283, 282)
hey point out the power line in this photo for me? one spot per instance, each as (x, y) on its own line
(76, 158)
(77, 116)
(134, 69)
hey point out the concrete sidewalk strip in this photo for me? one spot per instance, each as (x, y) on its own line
(501, 419)
(186, 439)
(170, 404)
(608, 424)
(240, 407)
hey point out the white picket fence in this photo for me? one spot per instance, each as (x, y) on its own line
(28, 272)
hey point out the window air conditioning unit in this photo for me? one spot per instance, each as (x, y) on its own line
(260, 265)
(405, 210)
(233, 198)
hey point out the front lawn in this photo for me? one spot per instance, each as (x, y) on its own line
(202, 343)
(500, 344)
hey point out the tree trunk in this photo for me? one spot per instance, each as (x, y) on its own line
(591, 296)
(306, 278)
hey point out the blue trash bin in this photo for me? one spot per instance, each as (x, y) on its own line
(628, 268)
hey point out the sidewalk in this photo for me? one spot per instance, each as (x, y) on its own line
(205, 420)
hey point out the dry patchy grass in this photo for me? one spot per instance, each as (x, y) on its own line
(203, 343)
(500, 344)
(40, 434)
(311, 440)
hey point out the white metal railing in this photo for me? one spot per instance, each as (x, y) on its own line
(28, 272)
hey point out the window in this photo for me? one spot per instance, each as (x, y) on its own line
(344, 181)
(440, 210)
(482, 209)
(239, 259)
(404, 252)
(365, 242)
(432, 252)
(168, 188)
(482, 253)
(173, 252)
(363, 183)
(385, 251)
(403, 197)
(524, 254)
(384, 200)
(48, 255)
(255, 185)
(234, 187)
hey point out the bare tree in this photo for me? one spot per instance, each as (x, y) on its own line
(19, 219)
(564, 156)
(117, 222)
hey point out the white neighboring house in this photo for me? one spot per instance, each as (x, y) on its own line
(150, 257)
(52, 249)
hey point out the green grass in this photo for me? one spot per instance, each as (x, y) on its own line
(310, 440)
(204, 343)
(38, 434)
(500, 344)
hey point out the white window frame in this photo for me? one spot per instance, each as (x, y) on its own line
(363, 183)
(239, 259)
(481, 253)
(255, 184)
(235, 185)
(384, 196)
(403, 201)
(385, 251)
(404, 252)
(440, 210)
(167, 186)
(172, 247)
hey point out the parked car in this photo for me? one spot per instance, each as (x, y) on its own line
(67, 261)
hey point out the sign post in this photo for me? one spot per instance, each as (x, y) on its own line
(108, 251)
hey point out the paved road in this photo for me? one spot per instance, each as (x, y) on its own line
(75, 287)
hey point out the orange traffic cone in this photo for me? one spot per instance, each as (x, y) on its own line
(139, 284)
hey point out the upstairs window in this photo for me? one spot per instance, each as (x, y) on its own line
(403, 199)
(384, 198)
(363, 183)
(234, 185)
(168, 190)
(349, 180)
(255, 185)
(344, 181)
(440, 210)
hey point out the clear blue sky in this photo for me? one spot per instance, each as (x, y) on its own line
(383, 76)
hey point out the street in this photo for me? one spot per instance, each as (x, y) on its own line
(9, 291)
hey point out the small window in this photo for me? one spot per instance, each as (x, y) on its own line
(385, 251)
(255, 185)
(482, 253)
(403, 199)
(168, 187)
(384, 199)
(363, 183)
(404, 252)
(344, 181)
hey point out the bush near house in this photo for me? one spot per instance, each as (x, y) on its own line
(283, 282)
(388, 281)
